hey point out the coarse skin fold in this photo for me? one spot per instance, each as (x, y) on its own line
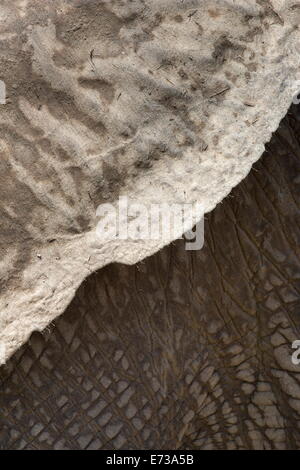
(166, 102)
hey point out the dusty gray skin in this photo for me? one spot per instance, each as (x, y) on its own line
(159, 100)
(184, 350)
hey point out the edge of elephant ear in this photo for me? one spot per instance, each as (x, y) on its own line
(198, 166)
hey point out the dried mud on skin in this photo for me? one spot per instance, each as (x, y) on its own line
(162, 101)
(184, 350)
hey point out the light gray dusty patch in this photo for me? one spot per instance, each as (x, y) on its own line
(172, 101)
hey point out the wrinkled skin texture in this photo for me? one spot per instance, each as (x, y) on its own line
(187, 350)
(161, 101)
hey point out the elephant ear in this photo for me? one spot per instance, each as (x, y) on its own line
(171, 102)
(183, 350)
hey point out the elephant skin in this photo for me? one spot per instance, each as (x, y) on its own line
(186, 350)
(161, 101)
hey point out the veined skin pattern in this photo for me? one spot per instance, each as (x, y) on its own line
(162, 101)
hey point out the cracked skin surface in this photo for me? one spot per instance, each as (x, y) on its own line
(187, 350)
(158, 100)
